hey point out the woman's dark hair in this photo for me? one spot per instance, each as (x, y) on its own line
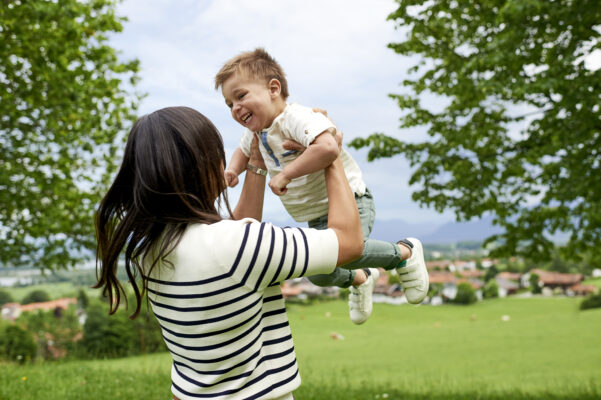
(171, 175)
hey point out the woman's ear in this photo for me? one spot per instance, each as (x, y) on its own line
(275, 87)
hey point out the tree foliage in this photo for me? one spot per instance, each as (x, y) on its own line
(591, 301)
(118, 336)
(465, 294)
(5, 297)
(65, 102)
(491, 289)
(535, 285)
(516, 128)
(36, 296)
(17, 344)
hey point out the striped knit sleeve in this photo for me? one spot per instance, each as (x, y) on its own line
(270, 254)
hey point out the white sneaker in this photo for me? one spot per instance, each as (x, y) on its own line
(414, 275)
(360, 299)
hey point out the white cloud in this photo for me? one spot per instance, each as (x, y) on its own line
(334, 53)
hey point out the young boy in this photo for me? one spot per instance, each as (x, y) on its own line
(254, 87)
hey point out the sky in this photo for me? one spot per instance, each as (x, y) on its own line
(335, 56)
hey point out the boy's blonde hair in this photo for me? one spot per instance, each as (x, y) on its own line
(258, 64)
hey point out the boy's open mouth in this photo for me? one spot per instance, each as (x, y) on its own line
(246, 117)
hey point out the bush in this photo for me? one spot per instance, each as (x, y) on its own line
(592, 301)
(534, 284)
(490, 273)
(5, 297)
(465, 294)
(82, 299)
(55, 331)
(36, 296)
(116, 335)
(491, 289)
(17, 344)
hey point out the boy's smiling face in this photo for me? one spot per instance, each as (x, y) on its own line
(253, 102)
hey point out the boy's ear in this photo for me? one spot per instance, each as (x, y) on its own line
(275, 87)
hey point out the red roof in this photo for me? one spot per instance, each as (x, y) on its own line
(584, 289)
(513, 276)
(442, 264)
(557, 278)
(472, 273)
(442, 277)
(49, 305)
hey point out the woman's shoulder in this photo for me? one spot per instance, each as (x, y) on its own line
(225, 226)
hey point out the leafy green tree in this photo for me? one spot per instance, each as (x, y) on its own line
(55, 330)
(534, 284)
(17, 344)
(490, 273)
(517, 130)
(491, 289)
(82, 299)
(117, 335)
(465, 294)
(5, 297)
(66, 100)
(36, 296)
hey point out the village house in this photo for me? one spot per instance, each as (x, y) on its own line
(438, 265)
(12, 311)
(551, 281)
(449, 281)
(448, 275)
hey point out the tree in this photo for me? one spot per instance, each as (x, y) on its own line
(36, 296)
(517, 130)
(17, 344)
(491, 289)
(535, 285)
(490, 273)
(65, 102)
(5, 297)
(465, 294)
(82, 299)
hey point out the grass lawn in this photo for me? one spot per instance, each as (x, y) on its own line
(546, 350)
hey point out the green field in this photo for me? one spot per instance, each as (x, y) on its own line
(54, 290)
(546, 350)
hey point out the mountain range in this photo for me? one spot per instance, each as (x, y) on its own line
(429, 232)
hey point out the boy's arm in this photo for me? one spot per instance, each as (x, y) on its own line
(320, 153)
(236, 166)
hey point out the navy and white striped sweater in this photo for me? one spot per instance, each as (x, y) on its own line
(220, 307)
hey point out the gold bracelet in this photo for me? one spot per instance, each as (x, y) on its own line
(256, 170)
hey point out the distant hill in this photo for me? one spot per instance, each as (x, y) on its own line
(393, 230)
(449, 232)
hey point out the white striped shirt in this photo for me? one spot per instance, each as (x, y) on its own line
(307, 196)
(221, 309)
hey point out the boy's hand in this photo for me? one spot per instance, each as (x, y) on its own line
(278, 184)
(231, 178)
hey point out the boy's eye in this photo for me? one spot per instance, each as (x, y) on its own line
(230, 105)
(240, 96)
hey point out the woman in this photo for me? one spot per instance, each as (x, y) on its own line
(213, 283)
